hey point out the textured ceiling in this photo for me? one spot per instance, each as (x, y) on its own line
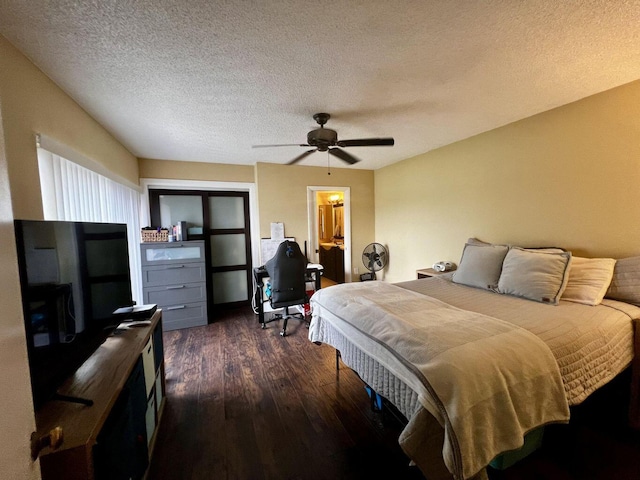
(205, 80)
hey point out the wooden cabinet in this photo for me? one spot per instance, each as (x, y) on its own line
(174, 278)
(113, 437)
(332, 259)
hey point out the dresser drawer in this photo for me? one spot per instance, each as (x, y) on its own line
(172, 253)
(175, 294)
(184, 316)
(159, 275)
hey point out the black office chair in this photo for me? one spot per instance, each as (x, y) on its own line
(287, 272)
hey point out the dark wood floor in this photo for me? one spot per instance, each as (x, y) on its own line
(245, 403)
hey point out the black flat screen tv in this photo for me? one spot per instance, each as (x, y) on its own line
(73, 276)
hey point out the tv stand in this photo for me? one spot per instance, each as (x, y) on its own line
(68, 398)
(125, 379)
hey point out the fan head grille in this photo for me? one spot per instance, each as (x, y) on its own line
(375, 257)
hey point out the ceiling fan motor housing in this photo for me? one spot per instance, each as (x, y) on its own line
(323, 138)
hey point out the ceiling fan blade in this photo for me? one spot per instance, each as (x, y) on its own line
(342, 155)
(301, 156)
(366, 142)
(282, 145)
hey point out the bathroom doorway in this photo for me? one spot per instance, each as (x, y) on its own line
(330, 231)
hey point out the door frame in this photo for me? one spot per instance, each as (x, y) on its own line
(312, 216)
(171, 184)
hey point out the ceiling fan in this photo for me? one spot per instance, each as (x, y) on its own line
(326, 140)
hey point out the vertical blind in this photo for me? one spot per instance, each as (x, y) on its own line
(74, 193)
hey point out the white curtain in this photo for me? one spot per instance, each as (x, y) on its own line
(75, 193)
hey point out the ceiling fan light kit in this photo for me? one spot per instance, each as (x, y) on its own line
(326, 140)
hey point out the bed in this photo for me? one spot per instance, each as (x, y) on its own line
(476, 362)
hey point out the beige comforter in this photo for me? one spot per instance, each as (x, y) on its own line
(590, 344)
(485, 380)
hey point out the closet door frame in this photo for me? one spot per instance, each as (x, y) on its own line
(194, 187)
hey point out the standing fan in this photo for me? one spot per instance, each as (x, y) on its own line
(375, 257)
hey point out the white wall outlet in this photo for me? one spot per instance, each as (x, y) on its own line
(355, 270)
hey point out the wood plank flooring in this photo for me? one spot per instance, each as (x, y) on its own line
(245, 403)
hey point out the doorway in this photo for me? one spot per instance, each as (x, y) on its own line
(330, 230)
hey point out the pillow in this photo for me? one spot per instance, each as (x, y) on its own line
(539, 276)
(480, 265)
(625, 284)
(589, 279)
(545, 249)
(475, 241)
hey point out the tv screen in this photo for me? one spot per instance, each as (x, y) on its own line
(73, 275)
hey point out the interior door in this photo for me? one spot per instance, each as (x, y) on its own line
(230, 243)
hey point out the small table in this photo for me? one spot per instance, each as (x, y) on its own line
(428, 272)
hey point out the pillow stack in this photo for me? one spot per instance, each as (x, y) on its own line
(545, 275)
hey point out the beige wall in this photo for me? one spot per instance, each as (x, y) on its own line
(33, 104)
(282, 197)
(218, 172)
(566, 177)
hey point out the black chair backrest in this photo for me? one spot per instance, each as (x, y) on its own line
(287, 271)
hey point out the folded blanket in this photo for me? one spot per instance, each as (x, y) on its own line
(487, 382)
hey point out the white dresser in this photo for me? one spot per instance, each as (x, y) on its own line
(174, 278)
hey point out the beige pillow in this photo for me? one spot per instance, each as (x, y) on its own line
(589, 279)
(625, 284)
(539, 276)
(480, 265)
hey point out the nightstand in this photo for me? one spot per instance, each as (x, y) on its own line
(428, 272)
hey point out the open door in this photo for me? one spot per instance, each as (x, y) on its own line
(330, 231)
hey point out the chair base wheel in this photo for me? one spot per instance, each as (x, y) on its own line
(283, 333)
(263, 326)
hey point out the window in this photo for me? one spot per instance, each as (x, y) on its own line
(74, 193)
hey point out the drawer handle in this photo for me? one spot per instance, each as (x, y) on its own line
(174, 267)
(177, 287)
(177, 307)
